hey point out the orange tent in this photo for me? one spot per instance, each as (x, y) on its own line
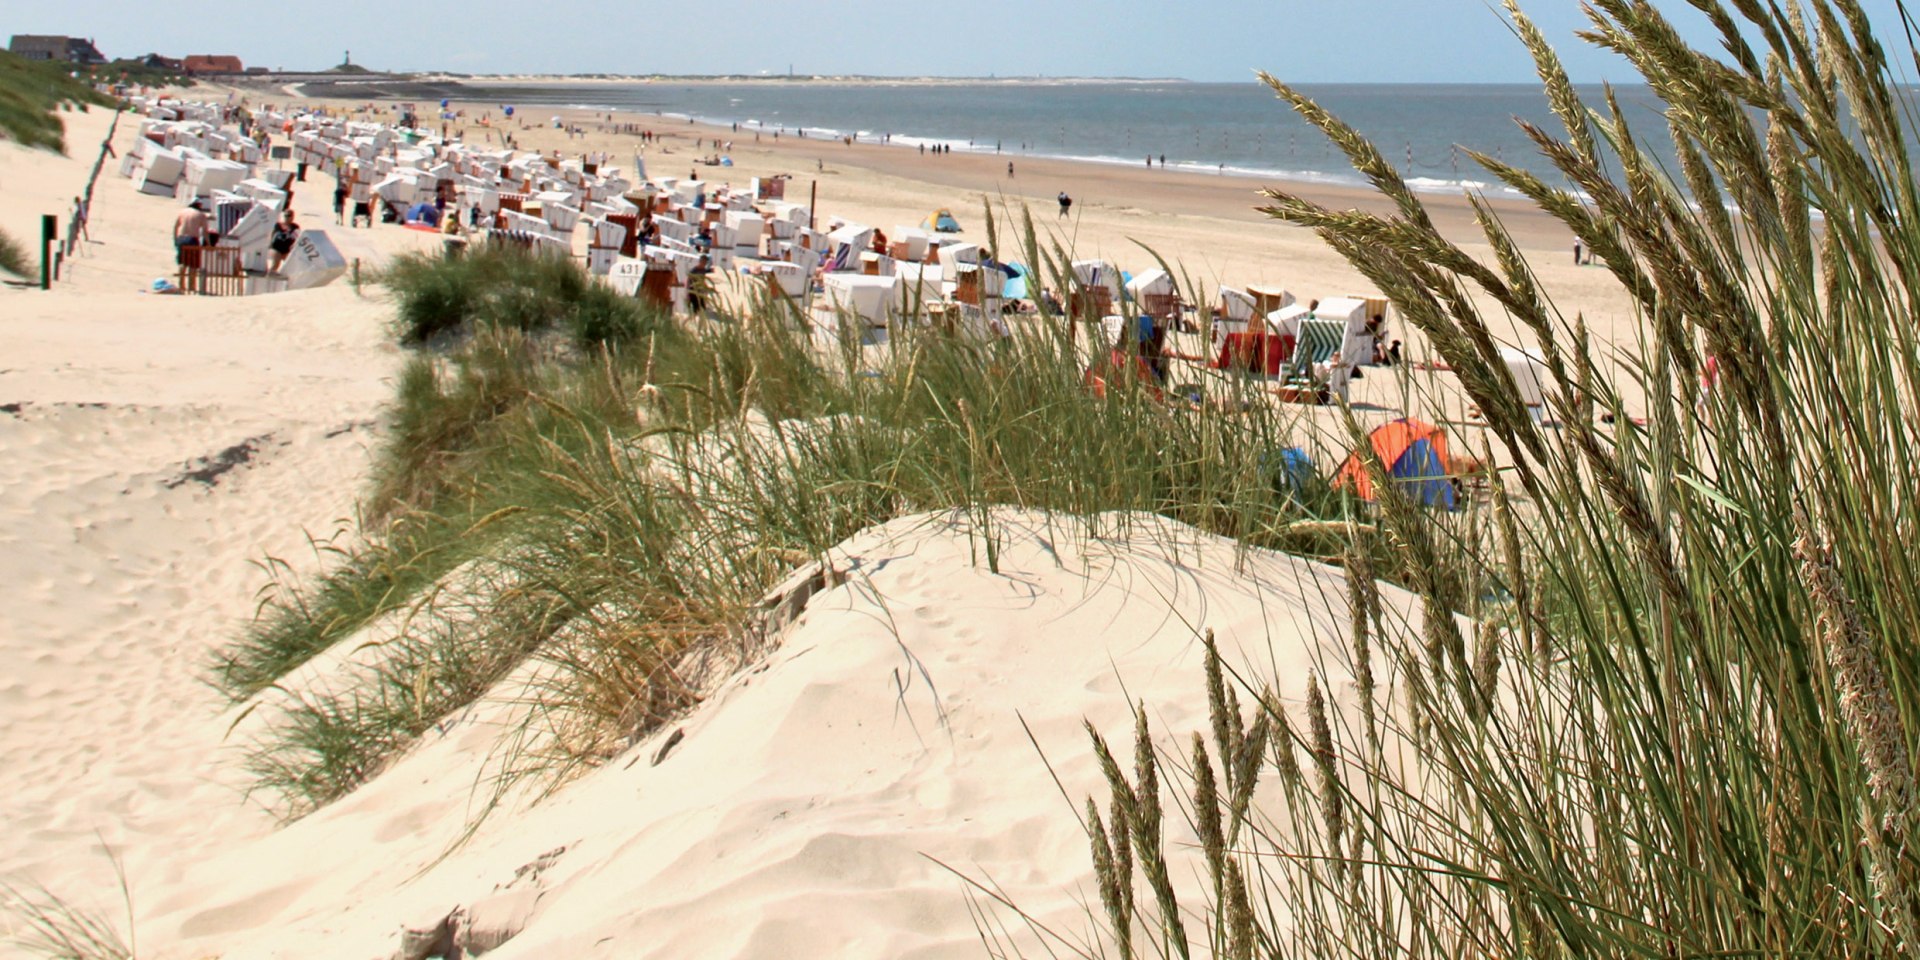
(1415, 457)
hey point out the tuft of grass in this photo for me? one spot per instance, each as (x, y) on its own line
(32, 94)
(56, 928)
(500, 285)
(14, 258)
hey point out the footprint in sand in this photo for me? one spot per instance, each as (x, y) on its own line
(933, 616)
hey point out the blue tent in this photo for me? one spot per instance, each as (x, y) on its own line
(1415, 455)
(424, 213)
(941, 221)
(1420, 473)
(1016, 285)
(1292, 468)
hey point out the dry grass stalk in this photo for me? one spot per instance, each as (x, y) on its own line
(1332, 809)
(1866, 700)
(1486, 665)
(1242, 928)
(1207, 816)
(1147, 839)
(1363, 611)
(1284, 761)
(1108, 877)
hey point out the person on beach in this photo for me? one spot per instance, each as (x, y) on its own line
(189, 230)
(80, 209)
(700, 284)
(281, 245)
(1009, 169)
(1577, 261)
(1066, 203)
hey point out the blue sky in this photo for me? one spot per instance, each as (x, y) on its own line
(1298, 40)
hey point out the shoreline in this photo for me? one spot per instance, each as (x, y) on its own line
(1228, 194)
(460, 92)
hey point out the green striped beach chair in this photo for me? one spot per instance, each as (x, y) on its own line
(1318, 344)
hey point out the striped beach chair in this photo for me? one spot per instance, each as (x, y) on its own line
(1315, 356)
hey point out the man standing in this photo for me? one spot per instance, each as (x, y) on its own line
(1066, 203)
(189, 230)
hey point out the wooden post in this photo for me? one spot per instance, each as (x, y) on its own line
(49, 229)
(813, 200)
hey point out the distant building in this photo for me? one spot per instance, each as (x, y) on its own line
(68, 49)
(157, 62)
(202, 64)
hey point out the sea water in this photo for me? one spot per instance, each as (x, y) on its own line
(1222, 128)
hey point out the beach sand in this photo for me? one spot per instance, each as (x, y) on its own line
(159, 449)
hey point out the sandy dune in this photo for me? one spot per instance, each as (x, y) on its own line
(803, 809)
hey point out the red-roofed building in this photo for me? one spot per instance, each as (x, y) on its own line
(201, 64)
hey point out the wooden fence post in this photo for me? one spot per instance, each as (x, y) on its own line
(49, 229)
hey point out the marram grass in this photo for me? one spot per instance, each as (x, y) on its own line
(1683, 722)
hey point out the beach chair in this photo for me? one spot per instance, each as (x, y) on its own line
(1257, 353)
(785, 281)
(1233, 313)
(1315, 366)
(1267, 299)
(1529, 371)
(1155, 292)
(1095, 289)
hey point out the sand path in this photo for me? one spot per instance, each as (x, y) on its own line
(152, 450)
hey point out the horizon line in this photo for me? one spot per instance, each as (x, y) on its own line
(378, 76)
